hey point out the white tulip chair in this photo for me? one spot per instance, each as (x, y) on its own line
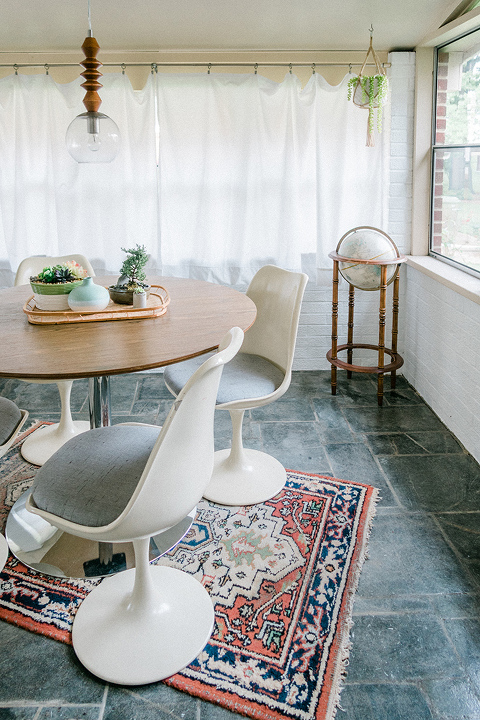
(42, 443)
(258, 375)
(129, 482)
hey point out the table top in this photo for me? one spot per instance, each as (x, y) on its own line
(199, 315)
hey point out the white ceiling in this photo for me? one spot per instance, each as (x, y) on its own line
(61, 25)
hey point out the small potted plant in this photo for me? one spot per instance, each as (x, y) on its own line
(53, 284)
(132, 276)
(370, 92)
(139, 297)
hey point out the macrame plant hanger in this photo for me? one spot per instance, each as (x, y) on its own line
(370, 91)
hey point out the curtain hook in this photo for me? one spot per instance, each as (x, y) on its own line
(209, 68)
(371, 30)
(350, 68)
(313, 69)
(47, 67)
(290, 66)
(15, 67)
(124, 67)
(255, 67)
(154, 68)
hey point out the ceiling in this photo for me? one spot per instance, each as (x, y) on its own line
(152, 25)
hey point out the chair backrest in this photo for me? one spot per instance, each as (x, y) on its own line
(278, 295)
(181, 463)
(35, 264)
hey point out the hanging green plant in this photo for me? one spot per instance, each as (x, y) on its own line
(371, 93)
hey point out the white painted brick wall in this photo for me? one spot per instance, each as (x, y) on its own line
(314, 337)
(442, 340)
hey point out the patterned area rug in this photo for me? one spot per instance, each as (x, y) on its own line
(282, 576)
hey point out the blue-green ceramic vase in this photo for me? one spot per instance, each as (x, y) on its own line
(88, 297)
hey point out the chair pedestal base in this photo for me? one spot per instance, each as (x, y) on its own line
(128, 647)
(3, 552)
(41, 444)
(255, 478)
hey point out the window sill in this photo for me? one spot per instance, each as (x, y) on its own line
(451, 277)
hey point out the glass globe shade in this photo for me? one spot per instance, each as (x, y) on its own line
(93, 137)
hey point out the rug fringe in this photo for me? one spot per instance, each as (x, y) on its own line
(338, 681)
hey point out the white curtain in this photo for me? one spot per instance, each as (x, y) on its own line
(250, 171)
(49, 204)
(253, 171)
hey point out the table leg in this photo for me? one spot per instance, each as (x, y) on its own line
(99, 401)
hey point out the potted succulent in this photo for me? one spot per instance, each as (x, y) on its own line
(132, 276)
(53, 284)
(370, 92)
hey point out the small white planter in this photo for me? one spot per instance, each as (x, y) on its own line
(139, 300)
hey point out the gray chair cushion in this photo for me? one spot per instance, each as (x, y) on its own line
(246, 376)
(10, 416)
(91, 478)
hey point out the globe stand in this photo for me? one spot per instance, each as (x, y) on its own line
(332, 355)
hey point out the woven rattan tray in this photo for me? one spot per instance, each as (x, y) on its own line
(157, 304)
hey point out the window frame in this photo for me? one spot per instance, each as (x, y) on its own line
(435, 147)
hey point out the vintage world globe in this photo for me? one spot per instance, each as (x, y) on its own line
(366, 243)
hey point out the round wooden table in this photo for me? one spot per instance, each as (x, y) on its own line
(197, 318)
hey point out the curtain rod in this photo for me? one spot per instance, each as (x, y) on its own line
(194, 64)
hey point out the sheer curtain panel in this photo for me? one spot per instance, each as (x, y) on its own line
(217, 174)
(49, 204)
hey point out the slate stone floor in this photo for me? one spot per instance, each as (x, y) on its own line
(416, 635)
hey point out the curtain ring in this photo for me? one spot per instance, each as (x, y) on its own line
(255, 67)
(47, 67)
(313, 69)
(371, 30)
(124, 67)
(290, 66)
(209, 68)
(15, 67)
(154, 68)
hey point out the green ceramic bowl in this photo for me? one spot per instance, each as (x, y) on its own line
(54, 288)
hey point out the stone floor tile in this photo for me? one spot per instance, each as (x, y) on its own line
(150, 702)
(332, 426)
(71, 712)
(456, 605)
(286, 408)
(38, 669)
(408, 555)
(392, 604)
(296, 445)
(421, 443)
(397, 419)
(463, 531)
(153, 387)
(383, 702)
(18, 713)
(354, 461)
(434, 483)
(453, 698)
(465, 637)
(400, 648)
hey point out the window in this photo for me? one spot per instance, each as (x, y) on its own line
(455, 221)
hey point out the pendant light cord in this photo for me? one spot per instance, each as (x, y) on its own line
(90, 34)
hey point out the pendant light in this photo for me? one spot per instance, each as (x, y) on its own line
(92, 137)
